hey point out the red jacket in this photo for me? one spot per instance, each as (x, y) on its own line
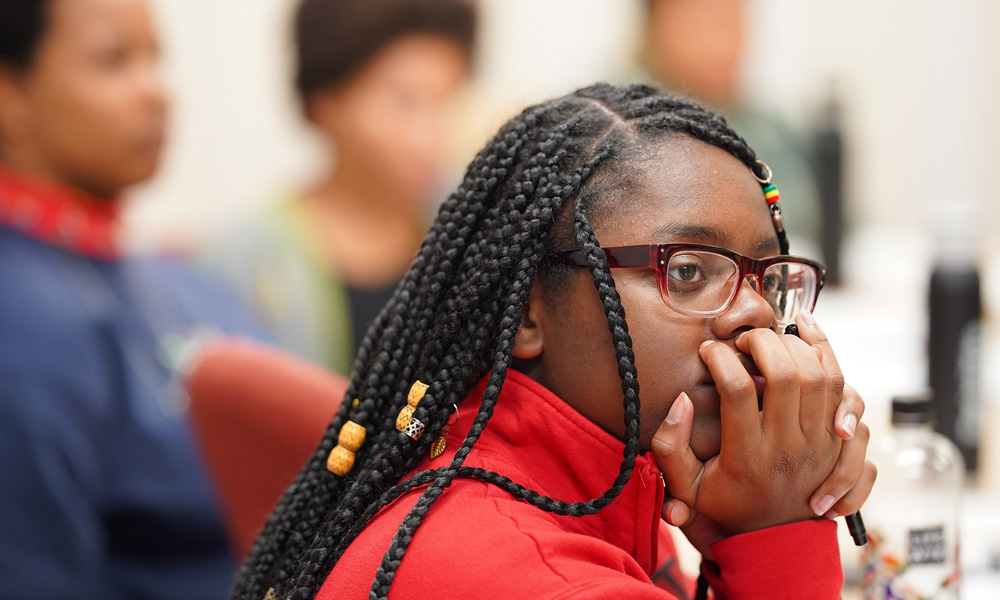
(478, 541)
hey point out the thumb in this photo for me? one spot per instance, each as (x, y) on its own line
(672, 450)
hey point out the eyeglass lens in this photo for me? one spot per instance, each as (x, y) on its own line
(705, 283)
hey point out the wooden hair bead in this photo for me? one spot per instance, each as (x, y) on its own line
(404, 417)
(351, 436)
(349, 441)
(417, 391)
(340, 461)
(405, 423)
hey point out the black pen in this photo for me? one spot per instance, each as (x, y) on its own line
(854, 523)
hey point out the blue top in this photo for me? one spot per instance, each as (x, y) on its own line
(102, 494)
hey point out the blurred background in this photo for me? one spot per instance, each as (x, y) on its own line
(907, 90)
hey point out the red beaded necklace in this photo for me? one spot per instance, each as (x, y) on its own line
(59, 215)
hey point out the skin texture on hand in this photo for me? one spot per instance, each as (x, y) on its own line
(801, 456)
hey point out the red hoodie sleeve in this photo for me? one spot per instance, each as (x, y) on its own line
(797, 560)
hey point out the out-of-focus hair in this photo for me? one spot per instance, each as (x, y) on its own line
(336, 38)
(22, 25)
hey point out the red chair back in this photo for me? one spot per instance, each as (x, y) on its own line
(258, 414)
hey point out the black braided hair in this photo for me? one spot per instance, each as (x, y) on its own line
(453, 319)
(22, 27)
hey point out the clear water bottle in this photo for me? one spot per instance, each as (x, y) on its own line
(913, 513)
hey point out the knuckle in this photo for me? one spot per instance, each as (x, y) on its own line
(841, 480)
(744, 471)
(663, 447)
(791, 341)
(836, 383)
(814, 383)
(743, 387)
(785, 463)
(819, 337)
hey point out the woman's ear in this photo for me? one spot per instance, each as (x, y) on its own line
(529, 342)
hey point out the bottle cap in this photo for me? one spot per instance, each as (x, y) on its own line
(913, 409)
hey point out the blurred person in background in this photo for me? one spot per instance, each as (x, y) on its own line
(698, 47)
(377, 79)
(103, 494)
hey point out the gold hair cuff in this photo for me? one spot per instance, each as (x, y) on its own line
(341, 458)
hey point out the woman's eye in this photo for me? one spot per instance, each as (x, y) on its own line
(687, 272)
(686, 275)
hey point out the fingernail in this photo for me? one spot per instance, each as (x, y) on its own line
(823, 504)
(850, 423)
(706, 343)
(807, 317)
(678, 409)
(831, 515)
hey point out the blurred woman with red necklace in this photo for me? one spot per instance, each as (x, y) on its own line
(103, 494)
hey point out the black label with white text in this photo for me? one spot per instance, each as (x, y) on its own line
(926, 546)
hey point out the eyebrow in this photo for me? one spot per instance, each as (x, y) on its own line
(709, 235)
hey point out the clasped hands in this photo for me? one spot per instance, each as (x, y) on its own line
(799, 456)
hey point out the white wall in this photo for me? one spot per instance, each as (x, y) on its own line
(236, 139)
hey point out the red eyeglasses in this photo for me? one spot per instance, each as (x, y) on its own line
(702, 281)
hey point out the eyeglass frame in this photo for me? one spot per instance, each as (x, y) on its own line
(657, 256)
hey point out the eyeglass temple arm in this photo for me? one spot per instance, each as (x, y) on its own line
(625, 256)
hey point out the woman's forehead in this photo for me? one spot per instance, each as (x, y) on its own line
(687, 190)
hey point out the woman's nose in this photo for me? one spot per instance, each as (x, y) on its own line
(749, 310)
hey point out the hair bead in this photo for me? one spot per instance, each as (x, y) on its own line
(416, 394)
(772, 197)
(413, 428)
(349, 441)
(351, 436)
(405, 423)
(404, 417)
(771, 194)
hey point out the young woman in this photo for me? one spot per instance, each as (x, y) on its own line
(597, 313)
(377, 80)
(103, 493)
